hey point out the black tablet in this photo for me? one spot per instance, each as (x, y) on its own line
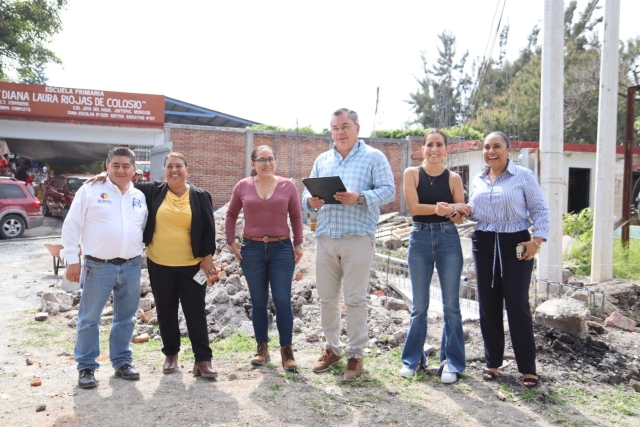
(324, 187)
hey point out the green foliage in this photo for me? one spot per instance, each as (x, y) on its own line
(440, 98)
(234, 343)
(26, 26)
(399, 133)
(38, 77)
(507, 94)
(304, 129)
(626, 263)
(580, 227)
(453, 133)
(94, 168)
(580, 224)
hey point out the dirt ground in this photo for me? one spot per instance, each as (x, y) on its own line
(572, 390)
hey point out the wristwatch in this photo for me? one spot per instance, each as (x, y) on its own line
(361, 199)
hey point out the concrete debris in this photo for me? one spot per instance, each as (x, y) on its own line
(51, 308)
(146, 303)
(566, 314)
(141, 338)
(246, 328)
(617, 320)
(396, 304)
(42, 316)
(147, 316)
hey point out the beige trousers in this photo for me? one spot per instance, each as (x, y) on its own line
(344, 264)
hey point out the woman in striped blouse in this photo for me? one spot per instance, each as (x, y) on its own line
(506, 200)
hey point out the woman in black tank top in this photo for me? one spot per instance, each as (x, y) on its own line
(435, 198)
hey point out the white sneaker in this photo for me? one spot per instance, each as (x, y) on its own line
(447, 377)
(407, 372)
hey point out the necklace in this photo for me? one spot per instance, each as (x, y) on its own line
(266, 188)
(432, 179)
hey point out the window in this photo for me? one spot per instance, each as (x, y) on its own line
(12, 191)
(75, 184)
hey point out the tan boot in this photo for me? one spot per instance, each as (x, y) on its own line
(262, 354)
(354, 369)
(325, 361)
(288, 362)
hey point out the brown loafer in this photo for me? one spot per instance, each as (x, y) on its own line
(204, 369)
(170, 364)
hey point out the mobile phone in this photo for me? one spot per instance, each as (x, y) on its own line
(519, 251)
(200, 277)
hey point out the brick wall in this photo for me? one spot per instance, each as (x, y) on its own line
(217, 156)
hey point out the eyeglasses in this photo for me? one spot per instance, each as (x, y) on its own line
(345, 128)
(264, 161)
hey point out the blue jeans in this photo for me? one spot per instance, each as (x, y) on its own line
(435, 244)
(264, 264)
(98, 279)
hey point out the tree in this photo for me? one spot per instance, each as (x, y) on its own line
(38, 78)
(509, 96)
(26, 26)
(439, 100)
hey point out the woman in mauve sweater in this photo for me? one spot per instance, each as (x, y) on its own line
(267, 255)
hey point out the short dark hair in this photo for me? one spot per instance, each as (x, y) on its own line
(121, 151)
(501, 135)
(350, 113)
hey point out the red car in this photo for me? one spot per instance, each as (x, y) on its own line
(19, 210)
(59, 193)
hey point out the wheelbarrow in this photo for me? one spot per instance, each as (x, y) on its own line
(58, 261)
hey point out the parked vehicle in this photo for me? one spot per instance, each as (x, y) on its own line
(59, 193)
(19, 210)
(145, 167)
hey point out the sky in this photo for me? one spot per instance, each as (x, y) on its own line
(281, 62)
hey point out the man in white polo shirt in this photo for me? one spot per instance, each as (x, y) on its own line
(107, 220)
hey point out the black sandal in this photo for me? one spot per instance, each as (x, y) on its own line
(491, 375)
(530, 382)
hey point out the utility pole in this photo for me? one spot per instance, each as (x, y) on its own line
(602, 252)
(552, 136)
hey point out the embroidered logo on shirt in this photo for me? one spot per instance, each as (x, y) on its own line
(104, 198)
(136, 203)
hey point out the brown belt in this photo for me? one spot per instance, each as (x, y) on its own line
(265, 239)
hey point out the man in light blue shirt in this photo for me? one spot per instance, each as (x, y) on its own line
(345, 237)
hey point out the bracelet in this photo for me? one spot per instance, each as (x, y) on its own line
(534, 241)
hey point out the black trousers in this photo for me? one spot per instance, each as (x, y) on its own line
(173, 285)
(511, 284)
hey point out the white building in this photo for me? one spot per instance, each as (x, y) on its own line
(579, 169)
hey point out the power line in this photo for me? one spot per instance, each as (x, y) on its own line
(482, 71)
